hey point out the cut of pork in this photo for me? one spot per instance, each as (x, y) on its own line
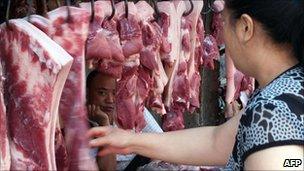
(71, 33)
(238, 86)
(129, 103)
(217, 22)
(169, 54)
(196, 49)
(60, 151)
(5, 156)
(177, 90)
(150, 58)
(36, 69)
(103, 49)
(211, 51)
(181, 89)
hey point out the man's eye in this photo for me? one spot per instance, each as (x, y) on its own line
(102, 93)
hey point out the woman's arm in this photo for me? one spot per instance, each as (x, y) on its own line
(198, 146)
(274, 158)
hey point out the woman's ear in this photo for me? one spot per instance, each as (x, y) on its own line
(245, 28)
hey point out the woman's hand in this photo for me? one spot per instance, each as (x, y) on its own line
(111, 140)
(97, 115)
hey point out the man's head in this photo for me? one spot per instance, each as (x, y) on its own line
(101, 91)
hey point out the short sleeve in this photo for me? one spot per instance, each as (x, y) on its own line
(152, 125)
(272, 123)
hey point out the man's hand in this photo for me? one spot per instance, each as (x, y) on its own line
(97, 115)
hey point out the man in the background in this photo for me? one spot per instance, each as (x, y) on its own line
(101, 89)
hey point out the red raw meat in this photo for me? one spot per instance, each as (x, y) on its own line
(71, 33)
(186, 80)
(60, 150)
(217, 21)
(196, 50)
(211, 51)
(36, 69)
(237, 83)
(178, 89)
(169, 53)
(129, 101)
(150, 58)
(5, 156)
(103, 50)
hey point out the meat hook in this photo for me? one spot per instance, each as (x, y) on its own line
(7, 13)
(113, 10)
(191, 9)
(77, 3)
(157, 14)
(58, 3)
(92, 10)
(29, 9)
(68, 4)
(209, 8)
(43, 5)
(126, 8)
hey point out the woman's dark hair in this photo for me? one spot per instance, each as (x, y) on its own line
(283, 20)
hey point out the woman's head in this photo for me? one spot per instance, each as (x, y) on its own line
(101, 91)
(277, 22)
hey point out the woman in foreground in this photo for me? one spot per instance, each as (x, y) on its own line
(265, 40)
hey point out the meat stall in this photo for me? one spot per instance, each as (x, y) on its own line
(167, 56)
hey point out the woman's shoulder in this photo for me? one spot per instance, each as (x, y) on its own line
(273, 122)
(290, 82)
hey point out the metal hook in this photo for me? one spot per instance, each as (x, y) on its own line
(7, 13)
(113, 10)
(209, 8)
(92, 10)
(44, 12)
(68, 4)
(29, 9)
(58, 3)
(41, 7)
(77, 3)
(126, 8)
(191, 9)
(156, 10)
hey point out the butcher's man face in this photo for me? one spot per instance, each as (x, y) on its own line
(101, 92)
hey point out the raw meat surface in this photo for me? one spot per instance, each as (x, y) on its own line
(71, 33)
(153, 71)
(217, 21)
(60, 150)
(211, 51)
(103, 48)
(5, 156)
(177, 97)
(238, 86)
(169, 53)
(196, 49)
(36, 69)
(129, 103)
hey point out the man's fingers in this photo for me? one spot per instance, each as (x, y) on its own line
(93, 108)
(90, 110)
